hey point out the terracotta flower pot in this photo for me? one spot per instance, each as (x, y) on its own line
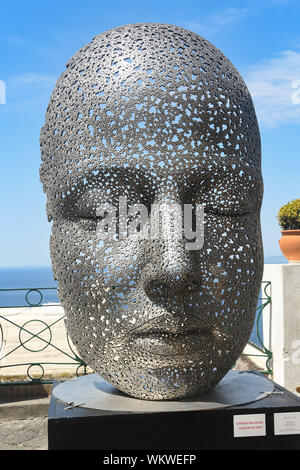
(290, 244)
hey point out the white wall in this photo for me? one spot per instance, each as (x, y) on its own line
(281, 323)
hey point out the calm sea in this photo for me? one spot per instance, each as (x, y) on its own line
(27, 278)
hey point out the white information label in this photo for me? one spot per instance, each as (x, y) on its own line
(287, 423)
(249, 425)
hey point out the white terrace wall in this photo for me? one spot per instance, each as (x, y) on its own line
(281, 323)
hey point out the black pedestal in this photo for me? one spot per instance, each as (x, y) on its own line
(86, 429)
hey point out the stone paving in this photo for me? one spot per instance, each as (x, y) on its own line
(24, 434)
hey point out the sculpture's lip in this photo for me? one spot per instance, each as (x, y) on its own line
(169, 335)
(163, 343)
(171, 324)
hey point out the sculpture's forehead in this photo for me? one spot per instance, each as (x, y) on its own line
(152, 43)
(152, 95)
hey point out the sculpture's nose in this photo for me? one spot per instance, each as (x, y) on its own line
(172, 272)
(172, 269)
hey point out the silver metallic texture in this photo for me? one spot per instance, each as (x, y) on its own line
(154, 113)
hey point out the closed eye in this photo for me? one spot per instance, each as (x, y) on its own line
(228, 213)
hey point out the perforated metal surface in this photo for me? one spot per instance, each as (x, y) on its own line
(154, 113)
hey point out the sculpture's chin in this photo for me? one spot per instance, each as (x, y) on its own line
(180, 392)
(142, 373)
(175, 383)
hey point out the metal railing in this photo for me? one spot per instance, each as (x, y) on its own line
(21, 339)
(29, 337)
(262, 351)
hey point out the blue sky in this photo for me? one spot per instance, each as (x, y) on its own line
(262, 39)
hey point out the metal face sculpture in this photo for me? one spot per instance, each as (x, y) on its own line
(148, 114)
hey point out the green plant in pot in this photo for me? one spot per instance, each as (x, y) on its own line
(289, 221)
